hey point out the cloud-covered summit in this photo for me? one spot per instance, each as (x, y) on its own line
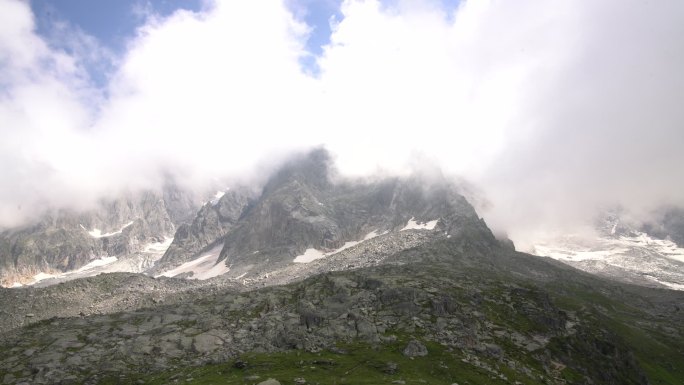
(551, 108)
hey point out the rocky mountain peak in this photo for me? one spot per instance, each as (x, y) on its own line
(312, 169)
(304, 208)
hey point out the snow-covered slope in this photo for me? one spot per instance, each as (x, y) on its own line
(136, 263)
(97, 233)
(636, 257)
(313, 254)
(205, 266)
(65, 242)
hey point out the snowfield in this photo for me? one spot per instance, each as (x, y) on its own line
(413, 225)
(314, 254)
(639, 259)
(137, 263)
(97, 233)
(309, 255)
(203, 267)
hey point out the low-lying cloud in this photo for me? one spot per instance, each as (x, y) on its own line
(551, 108)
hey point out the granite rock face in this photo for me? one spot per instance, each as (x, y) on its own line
(66, 240)
(306, 205)
(208, 228)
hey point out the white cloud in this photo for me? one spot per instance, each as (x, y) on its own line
(551, 107)
(42, 110)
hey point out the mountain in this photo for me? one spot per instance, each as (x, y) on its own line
(306, 212)
(463, 309)
(646, 253)
(315, 278)
(209, 226)
(668, 223)
(132, 226)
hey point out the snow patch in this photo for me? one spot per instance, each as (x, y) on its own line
(658, 260)
(109, 264)
(204, 267)
(41, 277)
(217, 197)
(414, 225)
(374, 234)
(665, 247)
(97, 233)
(576, 254)
(313, 254)
(309, 255)
(671, 285)
(158, 247)
(104, 261)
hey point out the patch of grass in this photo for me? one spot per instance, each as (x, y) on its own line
(351, 363)
(655, 353)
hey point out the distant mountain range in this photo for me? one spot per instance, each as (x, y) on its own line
(644, 253)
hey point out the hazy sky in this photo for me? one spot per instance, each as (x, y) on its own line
(552, 108)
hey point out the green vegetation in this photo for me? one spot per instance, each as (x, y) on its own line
(353, 363)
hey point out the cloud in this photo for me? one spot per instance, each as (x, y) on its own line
(552, 108)
(604, 128)
(43, 106)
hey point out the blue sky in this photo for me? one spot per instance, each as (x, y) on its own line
(113, 23)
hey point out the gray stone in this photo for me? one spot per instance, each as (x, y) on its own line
(206, 343)
(8, 379)
(494, 350)
(415, 349)
(270, 381)
(391, 368)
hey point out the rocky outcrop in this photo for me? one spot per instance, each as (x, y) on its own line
(306, 205)
(67, 240)
(478, 317)
(181, 205)
(103, 294)
(415, 349)
(668, 223)
(208, 228)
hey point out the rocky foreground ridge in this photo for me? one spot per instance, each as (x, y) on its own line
(460, 309)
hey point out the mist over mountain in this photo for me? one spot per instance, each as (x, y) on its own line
(343, 191)
(318, 276)
(551, 111)
(349, 191)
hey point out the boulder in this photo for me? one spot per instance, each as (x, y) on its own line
(415, 349)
